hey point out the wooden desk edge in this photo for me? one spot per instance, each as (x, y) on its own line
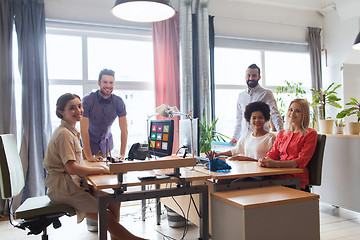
(161, 163)
(230, 175)
(290, 196)
(100, 186)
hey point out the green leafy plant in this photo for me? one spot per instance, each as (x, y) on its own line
(208, 134)
(291, 90)
(326, 97)
(339, 123)
(355, 109)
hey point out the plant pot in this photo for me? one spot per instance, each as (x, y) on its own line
(338, 130)
(353, 128)
(326, 126)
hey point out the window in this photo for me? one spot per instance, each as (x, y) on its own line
(122, 56)
(290, 66)
(64, 57)
(75, 58)
(229, 62)
(18, 90)
(278, 62)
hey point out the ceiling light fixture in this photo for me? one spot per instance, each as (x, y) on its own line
(357, 42)
(143, 10)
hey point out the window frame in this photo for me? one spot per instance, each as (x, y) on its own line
(85, 31)
(258, 45)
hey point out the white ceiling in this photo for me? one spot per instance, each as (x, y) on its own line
(345, 8)
(292, 15)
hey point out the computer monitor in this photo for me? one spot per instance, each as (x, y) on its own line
(161, 137)
(185, 134)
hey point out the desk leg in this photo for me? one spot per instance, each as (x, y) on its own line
(143, 204)
(158, 207)
(157, 193)
(204, 212)
(102, 218)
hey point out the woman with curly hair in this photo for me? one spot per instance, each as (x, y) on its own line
(254, 145)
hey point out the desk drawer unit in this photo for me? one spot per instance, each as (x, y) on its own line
(265, 213)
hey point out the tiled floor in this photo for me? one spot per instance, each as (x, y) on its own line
(130, 218)
(335, 223)
(338, 223)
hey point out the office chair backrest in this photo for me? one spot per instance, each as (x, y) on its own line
(315, 163)
(11, 171)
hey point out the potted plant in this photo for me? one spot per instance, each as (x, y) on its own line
(208, 134)
(353, 127)
(321, 100)
(285, 94)
(339, 127)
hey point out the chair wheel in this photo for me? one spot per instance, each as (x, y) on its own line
(56, 223)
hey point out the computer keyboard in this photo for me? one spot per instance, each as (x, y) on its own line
(147, 178)
(201, 159)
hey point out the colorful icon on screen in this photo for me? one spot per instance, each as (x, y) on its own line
(152, 144)
(153, 136)
(158, 145)
(165, 137)
(166, 128)
(153, 129)
(159, 128)
(159, 136)
(164, 146)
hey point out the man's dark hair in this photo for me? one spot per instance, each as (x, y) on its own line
(254, 66)
(108, 72)
(257, 106)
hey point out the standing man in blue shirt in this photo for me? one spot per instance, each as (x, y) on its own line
(100, 111)
(254, 93)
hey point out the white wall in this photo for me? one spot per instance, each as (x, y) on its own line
(232, 18)
(259, 21)
(338, 37)
(88, 11)
(351, 85)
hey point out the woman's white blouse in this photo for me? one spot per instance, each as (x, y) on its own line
(254, 147)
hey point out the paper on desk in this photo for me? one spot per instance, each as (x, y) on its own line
(221, 146)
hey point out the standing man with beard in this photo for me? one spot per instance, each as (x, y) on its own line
(100, 111)
(254, 93)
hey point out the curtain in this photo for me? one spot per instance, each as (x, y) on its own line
(30, 29)
(314, 40)
(212, 72)
(196, 77)
(7, 96)
(167, 72)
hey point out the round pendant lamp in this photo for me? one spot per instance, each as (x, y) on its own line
(143, 10)
(357, 42)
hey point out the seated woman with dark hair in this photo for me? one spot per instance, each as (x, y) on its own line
(295, 145)
(66, 171)
(256, 144)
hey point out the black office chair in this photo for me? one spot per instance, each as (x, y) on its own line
(316, 162)
(35, 213)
